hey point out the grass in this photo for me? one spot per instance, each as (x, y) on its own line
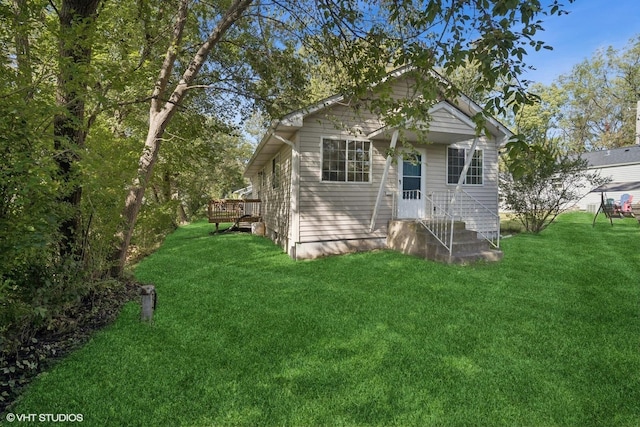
(245, 336)
(509, 224)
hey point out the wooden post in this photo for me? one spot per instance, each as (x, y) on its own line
(383, 181)
(149, 299)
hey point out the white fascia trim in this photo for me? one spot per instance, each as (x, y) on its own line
(475, 109)
(444, 105)
(295, 118)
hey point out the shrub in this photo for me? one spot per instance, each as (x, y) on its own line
(541, 182)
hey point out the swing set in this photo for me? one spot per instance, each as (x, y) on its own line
(622, 208)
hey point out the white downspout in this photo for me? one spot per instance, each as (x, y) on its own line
(295, 198)
(294, 210)
(383, 180)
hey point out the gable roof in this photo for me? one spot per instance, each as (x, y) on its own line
(280, 131)
(613, 157)
(441, 115)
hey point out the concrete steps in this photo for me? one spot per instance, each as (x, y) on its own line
(413, 238)
(467, 248)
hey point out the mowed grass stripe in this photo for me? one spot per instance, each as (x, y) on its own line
(245, 336)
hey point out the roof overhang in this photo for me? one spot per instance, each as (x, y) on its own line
(499, 131)
(283, 130)
(437, 131)
(618, 186)
(271, 143)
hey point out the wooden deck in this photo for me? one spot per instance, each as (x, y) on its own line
(234, 211)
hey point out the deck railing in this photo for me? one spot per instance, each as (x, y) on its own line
(234, 210)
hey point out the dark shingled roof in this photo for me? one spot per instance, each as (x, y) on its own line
(616, 156)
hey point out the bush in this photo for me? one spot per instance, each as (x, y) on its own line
(62, 316)
(541, 182)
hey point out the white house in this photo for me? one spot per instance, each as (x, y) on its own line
(328, 184)
(622, 166)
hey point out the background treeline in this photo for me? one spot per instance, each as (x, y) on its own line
(74, 112)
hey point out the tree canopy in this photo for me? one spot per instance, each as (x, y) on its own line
(598, 100)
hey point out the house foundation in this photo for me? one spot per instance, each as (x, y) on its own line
(311, 250)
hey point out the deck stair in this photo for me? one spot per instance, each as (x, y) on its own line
(413, 237)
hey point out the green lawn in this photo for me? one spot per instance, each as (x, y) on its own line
(245, 336)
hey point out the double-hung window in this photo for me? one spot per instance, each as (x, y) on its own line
(456, 158)
(346, 160)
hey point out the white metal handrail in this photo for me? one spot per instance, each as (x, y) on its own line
(443, 208)
(440, 222)
(436, 220)
(479, 217)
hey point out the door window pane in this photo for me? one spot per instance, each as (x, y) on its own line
(412, 178)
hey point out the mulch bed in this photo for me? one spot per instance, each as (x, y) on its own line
(97, 310)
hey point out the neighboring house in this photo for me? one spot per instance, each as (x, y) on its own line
(622, 166)
(330, 189)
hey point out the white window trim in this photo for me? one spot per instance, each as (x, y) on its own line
(347, 138)
(466, 153)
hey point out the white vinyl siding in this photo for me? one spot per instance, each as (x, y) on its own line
(340, 210)
(617, 173)
(442, 122)
(328, 210)
(276, 196)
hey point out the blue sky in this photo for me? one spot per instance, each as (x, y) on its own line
(590, 25)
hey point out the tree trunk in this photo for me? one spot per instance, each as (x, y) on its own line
(160, 115)
(173, 194)
(77, 20)
(23, 47)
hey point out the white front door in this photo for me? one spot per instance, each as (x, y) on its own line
(411, 184)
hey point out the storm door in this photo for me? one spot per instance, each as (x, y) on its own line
(411, 185)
